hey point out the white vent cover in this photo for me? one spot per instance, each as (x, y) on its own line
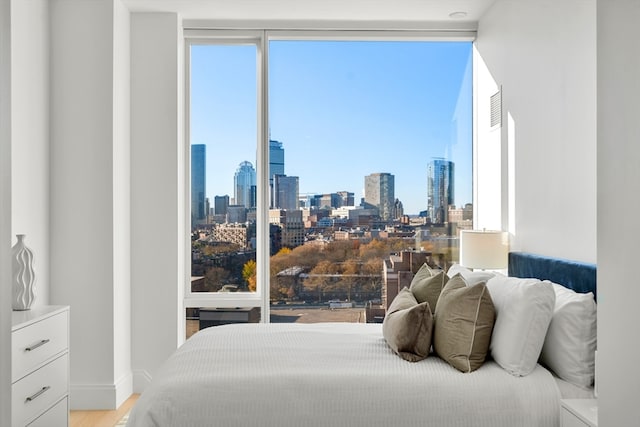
(496, 109)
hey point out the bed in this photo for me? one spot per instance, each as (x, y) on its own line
(343, 374)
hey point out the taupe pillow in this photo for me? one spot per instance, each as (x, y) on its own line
(423, 272)
(407, 327)
(429, 288)
(463, 324)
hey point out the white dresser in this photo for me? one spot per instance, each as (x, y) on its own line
(40, 367)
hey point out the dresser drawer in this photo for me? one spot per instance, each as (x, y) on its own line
(32, 345)
(58, 416)
(39, 391)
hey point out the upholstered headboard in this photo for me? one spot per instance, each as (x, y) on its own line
(579, 276)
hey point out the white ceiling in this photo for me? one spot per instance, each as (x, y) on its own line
(417, 11)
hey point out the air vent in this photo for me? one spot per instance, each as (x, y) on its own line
(496, 109)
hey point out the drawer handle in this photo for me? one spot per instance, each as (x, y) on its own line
(38, 393)
(33, 347)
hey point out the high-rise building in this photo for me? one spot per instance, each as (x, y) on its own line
(276, 159)
(439, 190)
(198, 183)
(379, 191)
(346, 198)
(220, 204)
(244, 185)
(236, 214)
(276, 167)
(329, 201)
(285, 192)
(398, 209)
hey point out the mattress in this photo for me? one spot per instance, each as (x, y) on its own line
(332, 374)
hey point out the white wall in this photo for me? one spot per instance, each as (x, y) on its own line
(89, 197)
(30, 134)
(5, 211)
(157, 191)
(543, 55)
(24, 157)
(487, 151)
(618, 185)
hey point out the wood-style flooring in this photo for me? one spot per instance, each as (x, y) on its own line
(101, 418)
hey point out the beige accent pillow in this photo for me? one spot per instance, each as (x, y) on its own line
(429, 288)
(407, 327)
(463, 324)
(423, 272)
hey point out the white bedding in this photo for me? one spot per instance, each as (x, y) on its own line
(332, 374)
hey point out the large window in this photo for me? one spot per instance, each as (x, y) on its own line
(361, 173)
(223, 137)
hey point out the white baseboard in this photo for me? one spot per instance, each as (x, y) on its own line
(141, 380)
(101, 396)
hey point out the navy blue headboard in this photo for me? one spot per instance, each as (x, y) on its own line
(579, 276)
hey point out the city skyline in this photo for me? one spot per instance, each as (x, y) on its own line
(379, 190)
(341, 113)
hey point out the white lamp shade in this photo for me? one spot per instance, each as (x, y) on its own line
(484, 249)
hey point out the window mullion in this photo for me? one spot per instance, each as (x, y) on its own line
(263, 249)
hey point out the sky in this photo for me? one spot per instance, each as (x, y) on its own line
(342, 109)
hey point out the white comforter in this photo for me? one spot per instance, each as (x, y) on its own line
(332, 374)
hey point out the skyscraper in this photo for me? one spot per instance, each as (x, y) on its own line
(439, 190)
(198, 183)
(244, 185)
(398, 209)
(285, 192)
(379, 191)
(276, 159)
(346, 198)
(276, 167)
(221, 204)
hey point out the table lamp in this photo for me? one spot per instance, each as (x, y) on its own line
(484, 249)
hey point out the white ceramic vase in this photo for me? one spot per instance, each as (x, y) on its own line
(24, 277)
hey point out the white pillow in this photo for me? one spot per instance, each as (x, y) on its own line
(570, 346)
(524, 308)
(470, 276)
(457, 268)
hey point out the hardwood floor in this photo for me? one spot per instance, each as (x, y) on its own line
(101, 418)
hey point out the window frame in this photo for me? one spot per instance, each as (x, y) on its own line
(260, 298)
(261, 38)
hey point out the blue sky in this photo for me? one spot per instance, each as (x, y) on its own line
(342, 110)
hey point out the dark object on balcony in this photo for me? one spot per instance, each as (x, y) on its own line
(224, 316)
